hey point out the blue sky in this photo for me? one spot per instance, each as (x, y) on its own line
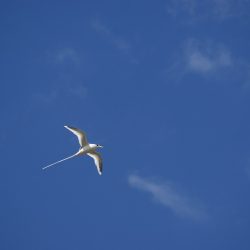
(164, 86)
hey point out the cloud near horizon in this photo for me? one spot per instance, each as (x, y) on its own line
(168, 196)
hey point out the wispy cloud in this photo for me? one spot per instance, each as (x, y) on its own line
(248, 171)
(210, 60)
(68, 84)
(177, 7)
(204, 59)
(78, 91)
(247, 168)
(65, 55)
(45, 98)
(167, 195)
(216, 9)
(246, 75)
(119, 42)
(53, 95)
(225, 9)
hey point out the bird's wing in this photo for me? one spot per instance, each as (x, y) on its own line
(60, 161)
(80, 135)
(98, 160)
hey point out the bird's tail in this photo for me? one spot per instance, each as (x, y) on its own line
(61, 160)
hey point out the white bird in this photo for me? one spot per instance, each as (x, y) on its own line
(85, 148)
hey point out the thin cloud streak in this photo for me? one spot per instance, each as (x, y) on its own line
(63, 56)
(67, 54)
(117, 41)
(167, 195)
(76, 92)
(248, 171)
(195, 10)
(246, 74)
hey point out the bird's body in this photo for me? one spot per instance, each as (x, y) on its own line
(85, 148)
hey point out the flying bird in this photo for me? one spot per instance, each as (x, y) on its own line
(85, 148)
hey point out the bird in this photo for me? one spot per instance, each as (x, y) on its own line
(85, 148)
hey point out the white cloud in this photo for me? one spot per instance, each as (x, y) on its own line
(212, 61)
(67, 55)
(177, 7)
(194, 10)
(45, 98)
(79, 91)
(168, 196)
(248, 171)
(196, 61)
(246, 75)
(222, 8)
(53, 95)
(204, 59)
(116, 40)
(247, 168)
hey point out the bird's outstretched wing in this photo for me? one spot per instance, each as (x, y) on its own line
(98, 160)
(60, 161)
(80, 135)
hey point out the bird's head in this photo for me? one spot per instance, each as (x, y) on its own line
(99, 146)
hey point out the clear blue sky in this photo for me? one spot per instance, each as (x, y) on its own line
(164, 86)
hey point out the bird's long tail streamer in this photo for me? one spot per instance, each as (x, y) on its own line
(60, 161)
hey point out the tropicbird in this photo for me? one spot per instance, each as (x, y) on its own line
(85, 148)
